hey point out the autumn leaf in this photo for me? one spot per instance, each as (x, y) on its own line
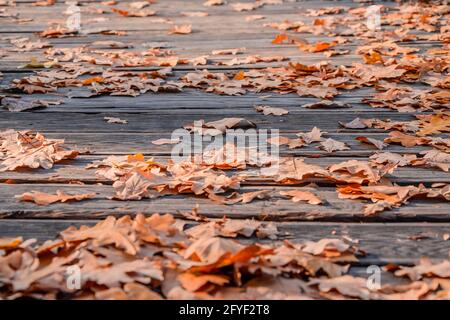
(377, 143)
(115, 120)
(437, 123)
(331, 145)
(300, 195)
(181, 29)
(44, 199)
(267, 110)
(280, 38)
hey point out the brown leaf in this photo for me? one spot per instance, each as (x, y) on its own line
(300, 195)
(377, 143)
(315, 135)
(331, 145)
(44, 199)
(181, 29)
(267, 110)
(405, 139)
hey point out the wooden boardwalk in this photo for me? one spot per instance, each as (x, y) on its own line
(388, 236)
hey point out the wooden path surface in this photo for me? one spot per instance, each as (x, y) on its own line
(388, 236)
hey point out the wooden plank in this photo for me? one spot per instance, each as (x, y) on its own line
(383, 243)
(104, 143)
(76, 171)
(274, 208)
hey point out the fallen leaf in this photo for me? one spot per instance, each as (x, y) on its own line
(331, 145)
(300, 195)
(44, 199)
(181, 29)
(267, 110)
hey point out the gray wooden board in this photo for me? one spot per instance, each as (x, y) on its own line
(75, 170)
(275, 207)
(382, 242)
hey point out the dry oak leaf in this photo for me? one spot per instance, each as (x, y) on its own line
(382, 159)
(280, 38)
(331, 145)
(233, 52)
(210, 3)
(377, 143)
(240, 6)
(326, 104)
(137, 13)
(434, 124)
(326, 247)
(372, 57)
(356, 123)
(124, 272)
(293, 170)
(425, 269)
(290, 255)
(115, 120)
(315, 135)
(219, 126)
(110, 231)
(10, 243)
(319, 91)
(317, 47)
(433, 158)
(254, 17)
(231, 228)
(27, 149)
(405, 140)
(268, 110)
(394, 195)
(193, 282)
(354, 171)
(159, 142)
(44, 199)
(278, 141)
(181, 29)
(347, 285)
(300, 195)
(209, 251)
(195, 14)
(130, 291)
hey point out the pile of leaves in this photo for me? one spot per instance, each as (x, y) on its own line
(159, 257)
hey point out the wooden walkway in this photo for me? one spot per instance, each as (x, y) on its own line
(389, 236)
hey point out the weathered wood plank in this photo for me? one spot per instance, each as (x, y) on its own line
(76, 171)
(274, 208)
(383, 243)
